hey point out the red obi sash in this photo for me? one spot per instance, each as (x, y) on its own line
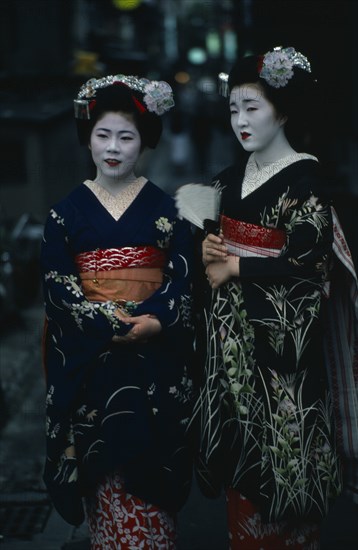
(131, 273)
(118, 258)
(247, 239)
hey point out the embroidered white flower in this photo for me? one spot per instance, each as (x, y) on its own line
(164, 225)
(56, 217)
(49, 395)
(55, 431)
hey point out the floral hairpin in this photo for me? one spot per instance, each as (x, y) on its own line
(157, 95)
(276, 67)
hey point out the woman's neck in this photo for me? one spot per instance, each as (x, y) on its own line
(278, 149)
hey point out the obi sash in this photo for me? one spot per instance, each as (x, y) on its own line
(247, 239)
(128, 274)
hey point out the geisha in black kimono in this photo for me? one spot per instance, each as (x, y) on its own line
(116, 266)
(263, 418)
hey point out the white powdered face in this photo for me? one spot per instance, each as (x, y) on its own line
(255, 122)
(115, 145)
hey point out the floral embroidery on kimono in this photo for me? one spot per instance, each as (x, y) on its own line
(263, 415)
(111, 406)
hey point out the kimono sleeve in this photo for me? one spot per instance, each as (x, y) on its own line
(65, 303)
(308, 225)
(171, 303)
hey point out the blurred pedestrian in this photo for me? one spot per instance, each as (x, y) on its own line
(116, 265)
(263, 417)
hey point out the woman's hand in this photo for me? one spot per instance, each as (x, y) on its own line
(219, 273)
(213, 249)
(144, 327)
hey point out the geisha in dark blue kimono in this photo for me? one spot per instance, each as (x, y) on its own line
(116, 264)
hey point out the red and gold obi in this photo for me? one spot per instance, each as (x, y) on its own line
(131, 273)
(247, 239)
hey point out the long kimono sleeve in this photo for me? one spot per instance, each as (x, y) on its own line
(171, 303)
(308, 226)
(66, 305)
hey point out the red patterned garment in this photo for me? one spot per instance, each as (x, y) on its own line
(246, 529)
(116, 258)
(248, 239)
(120, 521)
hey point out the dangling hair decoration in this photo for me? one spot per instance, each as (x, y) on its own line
(224, 84)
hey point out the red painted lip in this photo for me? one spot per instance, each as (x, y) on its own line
(245, 135)
(112, 162)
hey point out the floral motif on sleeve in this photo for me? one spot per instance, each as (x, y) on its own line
(166, 227)
(84, 308)
(310, 211)
(307, 223)
(70, 281)
(57, 217)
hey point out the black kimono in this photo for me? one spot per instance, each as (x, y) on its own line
(263, 416)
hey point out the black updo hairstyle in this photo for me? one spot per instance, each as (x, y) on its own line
(119, 97)
(296, 100)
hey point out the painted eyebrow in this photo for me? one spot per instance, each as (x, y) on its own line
(245, 101)
(120, 132)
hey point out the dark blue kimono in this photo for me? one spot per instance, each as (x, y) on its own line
(116, 407)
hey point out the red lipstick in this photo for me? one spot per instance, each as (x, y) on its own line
(112, 162)
(245, 135)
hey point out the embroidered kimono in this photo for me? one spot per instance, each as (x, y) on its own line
(263, 416)
(117, 408)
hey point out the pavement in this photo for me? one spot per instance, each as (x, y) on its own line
(27, 517)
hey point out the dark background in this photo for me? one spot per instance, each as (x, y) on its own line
(48, 48)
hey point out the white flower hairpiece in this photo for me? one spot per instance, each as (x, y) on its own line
(157, 95)
(277, 66)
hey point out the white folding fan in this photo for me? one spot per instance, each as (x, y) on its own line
(200, 205)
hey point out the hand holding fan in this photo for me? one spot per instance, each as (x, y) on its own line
(200, 205)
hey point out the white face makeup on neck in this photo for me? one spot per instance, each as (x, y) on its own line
(256, 124)
(115, 144)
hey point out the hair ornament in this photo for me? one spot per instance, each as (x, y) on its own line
(276, 67)
(224, 84)
(158, 95)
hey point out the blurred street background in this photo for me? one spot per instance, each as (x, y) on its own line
(48, 48)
